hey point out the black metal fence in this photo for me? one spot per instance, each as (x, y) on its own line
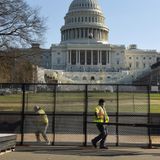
(133, 111)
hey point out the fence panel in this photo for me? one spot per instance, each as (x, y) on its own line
(43, 96)
(69, 114)
(11, 109)
(70, 106)
(133, 109)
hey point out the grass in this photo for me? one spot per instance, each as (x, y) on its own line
(75, 101)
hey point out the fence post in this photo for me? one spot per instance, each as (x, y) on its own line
(85, 116)
(149, 118)
(117, 117)
(54, 113)
(22, 114)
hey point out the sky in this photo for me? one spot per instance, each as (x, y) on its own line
(129, 21)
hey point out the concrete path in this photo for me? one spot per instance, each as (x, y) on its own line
(81, 153)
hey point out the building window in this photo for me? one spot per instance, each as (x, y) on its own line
(144, 65)
(92, 19)
(58, 53)
(95, 57)
(88, 57)
(118, 62)
(73, 57)
(130, 65)
(92, 78)
(84, 78)
(104, 58)
(130, 57)
(82, 33)
(82, 57)
(82, 19)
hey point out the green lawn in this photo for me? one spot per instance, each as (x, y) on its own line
(75, 101)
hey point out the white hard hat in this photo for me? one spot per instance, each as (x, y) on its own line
(36, 107)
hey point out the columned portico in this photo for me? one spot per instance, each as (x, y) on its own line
(88, 57)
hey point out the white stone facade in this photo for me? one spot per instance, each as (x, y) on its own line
(137, 59)
(84, 48)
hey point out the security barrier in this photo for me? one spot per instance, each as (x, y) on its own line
(133, 111)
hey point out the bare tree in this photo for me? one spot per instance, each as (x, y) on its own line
(20, 24)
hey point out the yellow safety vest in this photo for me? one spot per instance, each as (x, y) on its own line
(101, 115)
(43, 116)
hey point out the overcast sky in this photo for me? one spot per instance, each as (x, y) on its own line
(129, 21)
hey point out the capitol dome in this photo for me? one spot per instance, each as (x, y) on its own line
(84, 4)
(84, 23)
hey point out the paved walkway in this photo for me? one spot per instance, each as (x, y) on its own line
(81, 153)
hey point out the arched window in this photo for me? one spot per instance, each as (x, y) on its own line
(76, 78)
(84, 78)
(92, 78)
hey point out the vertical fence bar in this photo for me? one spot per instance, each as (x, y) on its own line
(85, 116)
(22, 114)
(149, 118)
(117, 117)
(54, 113)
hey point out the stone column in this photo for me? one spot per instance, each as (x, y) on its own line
(69, 57)
(98, 57)
(98, 32)
(100, 54)
(100, 35)
(108, 57)
(96, 35)
(77, 57)
(91, 57)
(80, 33)
(64, 35)
(69, 34)
(83, 32)
(85, 58)
(75, 33)
(87, 32)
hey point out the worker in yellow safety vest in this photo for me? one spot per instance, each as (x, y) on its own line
(101, 118)
(41, 124)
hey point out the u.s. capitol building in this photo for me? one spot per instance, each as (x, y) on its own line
(85, 55)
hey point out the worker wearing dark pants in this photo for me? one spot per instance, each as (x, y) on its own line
(101, 118)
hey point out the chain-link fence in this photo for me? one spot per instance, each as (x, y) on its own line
(134, 112)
